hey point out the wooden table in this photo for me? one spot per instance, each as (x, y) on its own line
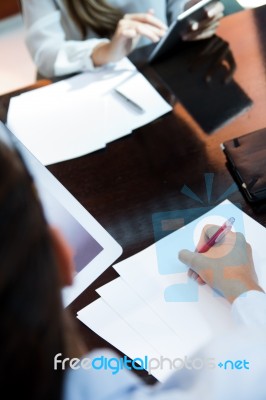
(143, 173)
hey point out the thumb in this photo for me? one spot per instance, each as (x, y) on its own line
(194, 260)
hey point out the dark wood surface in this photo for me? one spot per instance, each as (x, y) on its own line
(9, 8)
(143, 173)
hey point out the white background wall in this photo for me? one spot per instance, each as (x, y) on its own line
(16, 67)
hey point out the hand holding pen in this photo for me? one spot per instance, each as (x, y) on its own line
(227, 267)
(208, 240)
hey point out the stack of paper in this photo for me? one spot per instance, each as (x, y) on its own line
(79, 115)
(153, 309)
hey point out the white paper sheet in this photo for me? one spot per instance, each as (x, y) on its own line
(137, 299)
(80, 115)
(115, 126)
(56, 130)
(104, 321)
(210, 312)
(135, 312)
(94, 84)
(140, 91)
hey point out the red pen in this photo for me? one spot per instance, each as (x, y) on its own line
(222, 231)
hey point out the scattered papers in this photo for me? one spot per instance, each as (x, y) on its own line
(143, 318)
(155, 298)
(80, 115)
(104, 319)
(50, 130)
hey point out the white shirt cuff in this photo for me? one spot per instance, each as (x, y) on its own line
(250, 309)
(75, 56)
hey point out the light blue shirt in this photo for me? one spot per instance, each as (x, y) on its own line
(247, 342)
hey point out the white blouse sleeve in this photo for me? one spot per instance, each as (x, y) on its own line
(47, 44)
(250, 309)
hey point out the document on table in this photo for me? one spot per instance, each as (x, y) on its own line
(103, 318)
(166, 309)
(82, 114)
(53, 132)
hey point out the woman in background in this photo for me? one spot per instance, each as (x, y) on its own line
(68, 36)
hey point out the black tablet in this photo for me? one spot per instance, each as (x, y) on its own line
(178, 28)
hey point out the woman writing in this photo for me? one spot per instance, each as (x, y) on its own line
(36, 262)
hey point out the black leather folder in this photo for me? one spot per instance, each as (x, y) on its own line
(212, 102)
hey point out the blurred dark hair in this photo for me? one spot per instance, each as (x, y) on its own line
(97, 15)
(31, 312)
